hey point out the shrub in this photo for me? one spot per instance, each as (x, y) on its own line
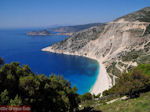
(86, 96)
(132, 83)
(1, 61)
(20, 86)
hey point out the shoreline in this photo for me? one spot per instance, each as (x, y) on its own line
(103, 81)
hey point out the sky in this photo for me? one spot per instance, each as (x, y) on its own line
(47, 13)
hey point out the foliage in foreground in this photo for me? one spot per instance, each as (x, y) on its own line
(86, 96)
(20, 86)
(140, 104)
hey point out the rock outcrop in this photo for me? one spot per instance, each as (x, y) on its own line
(120, 44)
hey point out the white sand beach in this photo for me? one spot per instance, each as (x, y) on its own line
(103, 81)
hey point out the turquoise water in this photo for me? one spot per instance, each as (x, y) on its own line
(16, 46)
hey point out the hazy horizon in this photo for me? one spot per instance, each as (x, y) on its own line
(48, 13)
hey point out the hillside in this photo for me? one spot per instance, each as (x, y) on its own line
(118, 45)
(142, 15)
(141, 104)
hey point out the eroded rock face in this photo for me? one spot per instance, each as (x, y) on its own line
(120, 44)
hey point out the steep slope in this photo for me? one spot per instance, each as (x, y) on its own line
(118, 45)
(140, 104)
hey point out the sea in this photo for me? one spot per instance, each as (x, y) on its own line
(16, 46)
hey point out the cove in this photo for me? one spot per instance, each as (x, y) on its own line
(16, 46)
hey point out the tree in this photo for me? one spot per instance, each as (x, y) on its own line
(86, 96)
(1, 61)
(42, 93)
(16, 101)
(4, 98)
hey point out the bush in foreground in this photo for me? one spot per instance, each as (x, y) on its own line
(20, 86)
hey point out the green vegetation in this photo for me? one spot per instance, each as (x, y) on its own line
(132, 83)
(144, 68)
(142, 15)
(112, 69)
(132, 56)
(144, 59)
(141, 104)
(86, 96)
(20, 86)
(135, 85)
(145, 15)
(1, 61)
(139, 56)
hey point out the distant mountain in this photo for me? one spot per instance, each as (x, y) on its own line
(40, 33)
(74, 28)
(118, 45)
(63, 30)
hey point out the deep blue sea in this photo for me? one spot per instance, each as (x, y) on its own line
(16, 46)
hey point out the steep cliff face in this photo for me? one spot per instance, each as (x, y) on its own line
(120, 44)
